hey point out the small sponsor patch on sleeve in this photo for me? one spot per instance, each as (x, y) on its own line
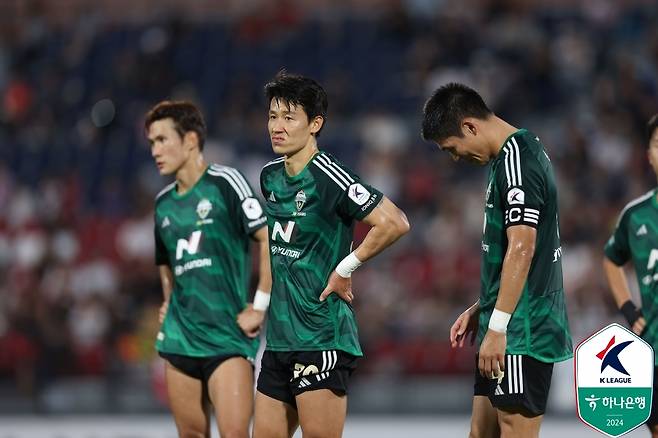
(252, 208)
(516, 196)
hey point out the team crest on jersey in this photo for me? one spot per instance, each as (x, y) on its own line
(300, 200)
(203, 208)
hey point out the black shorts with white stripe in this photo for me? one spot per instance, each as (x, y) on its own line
(285, 375)
(524, 386)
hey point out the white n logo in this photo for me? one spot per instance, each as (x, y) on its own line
(653, 258)
(284, 234)
(191, 246)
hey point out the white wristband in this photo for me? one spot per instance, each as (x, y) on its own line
(348, 265)
(499, 320)
(261, 301)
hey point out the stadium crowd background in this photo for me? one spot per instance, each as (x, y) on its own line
(79, 292)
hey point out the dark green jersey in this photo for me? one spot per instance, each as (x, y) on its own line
(203, 236)
(636, 239)
(521, 191)
(311, 220)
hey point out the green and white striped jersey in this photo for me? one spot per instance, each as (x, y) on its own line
(635, 239)
(203, 236)
(311, 220)
(521, 191)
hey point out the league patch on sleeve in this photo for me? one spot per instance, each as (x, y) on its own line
(516, 196)
(358, 193)
(252, 208)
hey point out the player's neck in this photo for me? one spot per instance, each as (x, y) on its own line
(296, 162)
(500, 131)
(188, 175)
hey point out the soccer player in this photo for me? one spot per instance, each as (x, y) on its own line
(520, 318)
(204, 222)
(635, 240)
(312, 203)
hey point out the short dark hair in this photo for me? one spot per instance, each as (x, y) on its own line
(185, 115)
(447, 107)
(652, 125)
(301, 91)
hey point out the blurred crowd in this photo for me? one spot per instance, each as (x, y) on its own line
(79, 290)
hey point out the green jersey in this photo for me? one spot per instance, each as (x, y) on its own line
(521, 191)
(311, 221)
(636, 239)
(203, 236)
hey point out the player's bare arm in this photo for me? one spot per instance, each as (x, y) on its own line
(167, 280)
(251, 318)
(388, 223)
(619, 286)
(465, 325)
(520, 250)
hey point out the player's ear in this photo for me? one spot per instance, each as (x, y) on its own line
(190, 140)
(469, 126)
(316, 124)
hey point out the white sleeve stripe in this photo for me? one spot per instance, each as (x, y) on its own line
(347, 175)
(340, 184)
(518, 160)
(239, 179)
(509, 182)
(334, 171)
(165, 190)
(510, 162)
(230, 180)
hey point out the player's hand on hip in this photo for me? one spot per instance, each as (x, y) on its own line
(341, 286)
(492, 354)
(465, 325)
(163, 311)
(638, 325)
(250, 321)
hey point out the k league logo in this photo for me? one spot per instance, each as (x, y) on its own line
(614, 380)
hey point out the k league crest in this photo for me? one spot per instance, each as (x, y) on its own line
(300, 200)
(614, 380)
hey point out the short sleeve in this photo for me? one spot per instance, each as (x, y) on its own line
(617, 247)
(355, 199)
(246, 210)
(522, 184)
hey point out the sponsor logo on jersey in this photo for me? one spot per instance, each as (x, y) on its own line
(165, 222)
(642, 231)
(557, 253)
(192, 264)
(285, 235)
(271, 198)
(286, 252)
(300, 200)
(358, 193)
(252, 208)
(486, 197)
(516, 196)
(191, 246)
(203, 208)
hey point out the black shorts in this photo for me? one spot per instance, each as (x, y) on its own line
(653, 418)
(284, 375)
(524, 386)
(200, 368)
